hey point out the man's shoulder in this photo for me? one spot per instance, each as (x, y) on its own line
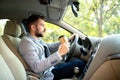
(26, 39)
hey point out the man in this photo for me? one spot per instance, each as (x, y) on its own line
(37, 53)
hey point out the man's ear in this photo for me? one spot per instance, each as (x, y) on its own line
(33, 27)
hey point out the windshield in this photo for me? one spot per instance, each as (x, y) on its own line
(96, 17)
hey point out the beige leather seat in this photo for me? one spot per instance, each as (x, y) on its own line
(10, 66)
(11, 36)
(102, 67)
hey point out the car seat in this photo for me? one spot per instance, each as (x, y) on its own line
(10, 66)
(11, 37)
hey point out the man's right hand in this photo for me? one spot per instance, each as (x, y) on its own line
(63, 49)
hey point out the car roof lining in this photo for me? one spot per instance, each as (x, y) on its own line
(13, 9)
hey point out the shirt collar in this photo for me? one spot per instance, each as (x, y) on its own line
(36, 40)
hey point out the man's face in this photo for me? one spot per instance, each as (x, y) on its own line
(40, 28)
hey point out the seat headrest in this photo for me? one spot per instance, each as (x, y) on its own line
(12, 28)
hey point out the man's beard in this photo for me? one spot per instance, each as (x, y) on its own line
(38, 34)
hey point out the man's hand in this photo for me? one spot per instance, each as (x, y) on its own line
(63, 49)
(72, 37)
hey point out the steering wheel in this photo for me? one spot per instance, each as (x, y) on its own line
(73, 45)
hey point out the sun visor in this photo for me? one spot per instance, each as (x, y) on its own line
(55, 3)
(56, 9)
(54, 13)
(60, 3)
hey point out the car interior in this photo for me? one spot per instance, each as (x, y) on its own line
(102, 55)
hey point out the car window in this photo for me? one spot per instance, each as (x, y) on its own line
(81, 24)
(2, 25)
(96, 18)
(53, 32)
(51, 35)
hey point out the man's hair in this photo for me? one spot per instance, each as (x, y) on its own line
(31, 19)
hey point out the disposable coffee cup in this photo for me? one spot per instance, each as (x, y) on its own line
(63, 39)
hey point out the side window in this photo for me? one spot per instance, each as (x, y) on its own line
(2, 25)
(53, 32)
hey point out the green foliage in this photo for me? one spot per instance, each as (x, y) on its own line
(53, 32)
(96, 17)
(115, 26)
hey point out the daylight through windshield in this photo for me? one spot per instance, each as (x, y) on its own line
(96, 17)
